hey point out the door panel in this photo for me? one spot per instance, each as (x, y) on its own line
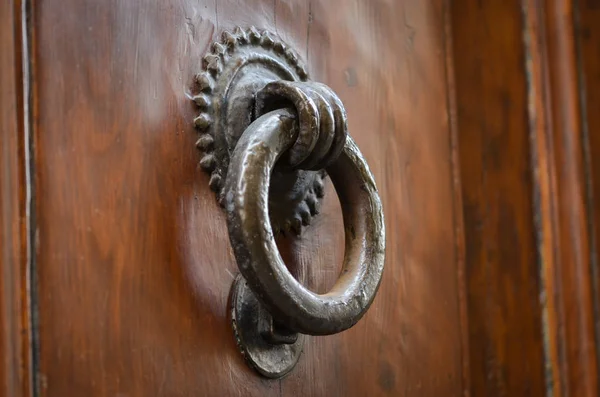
(502, 267)
(132, 253)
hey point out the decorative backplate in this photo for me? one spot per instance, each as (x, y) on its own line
(233, 71)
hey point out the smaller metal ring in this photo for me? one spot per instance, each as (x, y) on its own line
(259, 261)
(321, 117)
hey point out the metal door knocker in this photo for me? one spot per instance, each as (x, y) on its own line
(267, 136)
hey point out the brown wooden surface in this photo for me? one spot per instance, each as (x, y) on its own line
(479, 120)
(588, 35)
(505, 326)
(15, 348)
(133, 256)
(559, 146)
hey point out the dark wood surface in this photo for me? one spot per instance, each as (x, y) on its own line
(133, 256)
(506, 353)
(562, 190)
(588, 35)
(587, 57)
(15, 342)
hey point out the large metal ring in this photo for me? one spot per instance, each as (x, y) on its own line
(252, 239)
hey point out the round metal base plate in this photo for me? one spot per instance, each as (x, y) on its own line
(270, 360)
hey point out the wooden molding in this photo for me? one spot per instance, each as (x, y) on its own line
(502, 277)
(15, 329)
(560, 190)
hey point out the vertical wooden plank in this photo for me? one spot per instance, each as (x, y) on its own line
(587, 30)
(458, 211)
(561, 187)
(15, 349)
(504, 315)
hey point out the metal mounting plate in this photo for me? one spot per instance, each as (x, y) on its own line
(268, 359)
(233, 71)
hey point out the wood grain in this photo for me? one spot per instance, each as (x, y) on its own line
(588, 35)
(15, 349)
(561, 186)
(506, 354)
(133, 256)
(459, 221)
(478, 120)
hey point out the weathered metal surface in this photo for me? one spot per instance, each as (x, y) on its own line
(233, 71)
(272, 360)
(253, 242)
(272, 134)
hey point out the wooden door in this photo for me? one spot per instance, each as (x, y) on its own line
(116, 261)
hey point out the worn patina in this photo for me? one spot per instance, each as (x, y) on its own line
(274, 138)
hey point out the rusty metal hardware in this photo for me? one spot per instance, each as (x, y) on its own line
(273, 133)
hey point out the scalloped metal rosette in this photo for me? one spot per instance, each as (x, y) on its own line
(233, 70)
